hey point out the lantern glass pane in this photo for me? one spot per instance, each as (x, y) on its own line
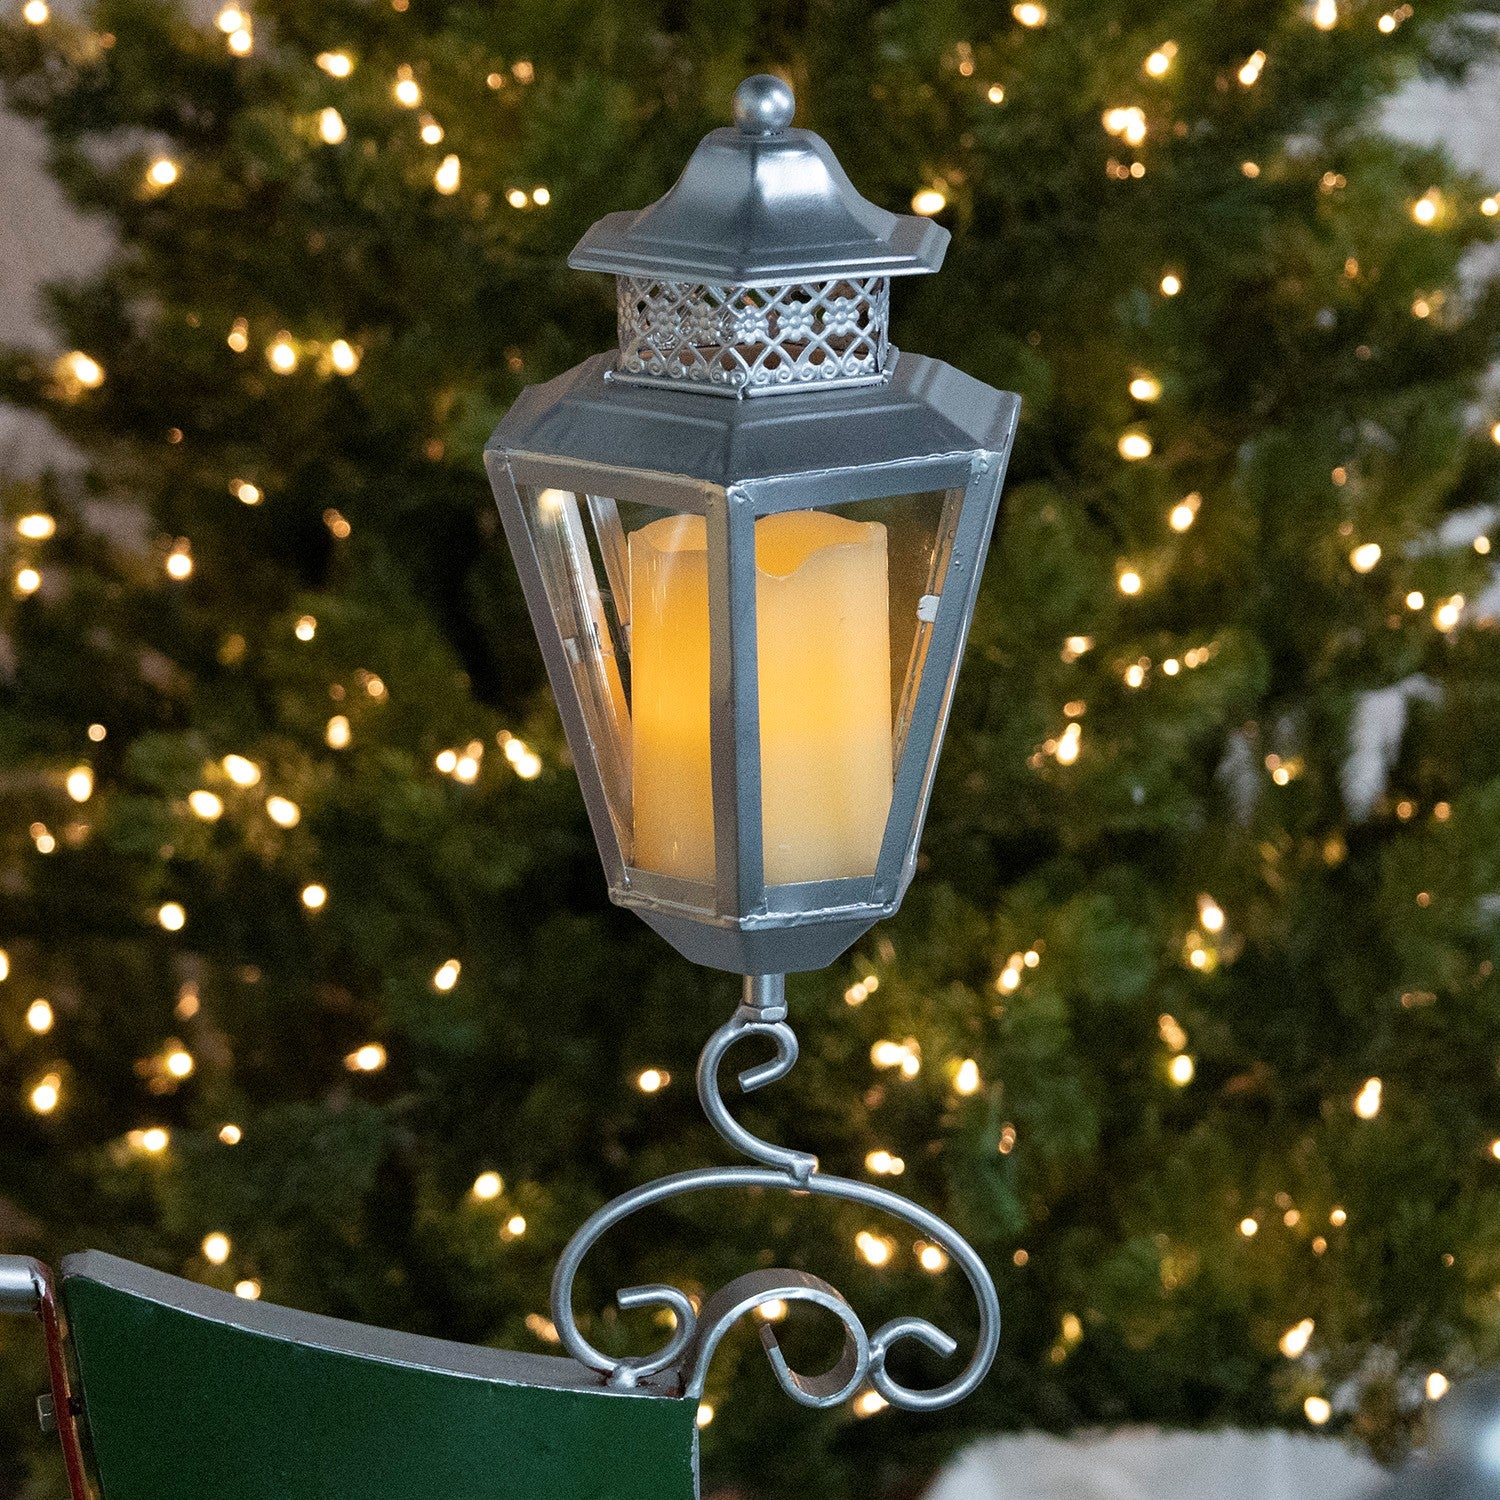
(845, 602)
(582, 552)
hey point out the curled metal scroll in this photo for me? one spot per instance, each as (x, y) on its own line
(696, 1333)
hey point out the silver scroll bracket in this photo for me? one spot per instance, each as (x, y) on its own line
(684, 1359)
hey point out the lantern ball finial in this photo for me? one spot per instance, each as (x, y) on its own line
(764, 105)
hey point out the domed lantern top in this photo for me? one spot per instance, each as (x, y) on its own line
(752, 611)
(762, 269)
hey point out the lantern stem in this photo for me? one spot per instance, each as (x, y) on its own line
(680, 1367)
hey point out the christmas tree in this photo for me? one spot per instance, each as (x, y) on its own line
(1190, 1021)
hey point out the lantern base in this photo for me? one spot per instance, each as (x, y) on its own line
(684, 1359)
(744, 949)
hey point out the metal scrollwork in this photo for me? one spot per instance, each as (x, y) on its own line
(685, 1357)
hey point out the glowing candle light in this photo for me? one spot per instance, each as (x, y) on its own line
(823, 637)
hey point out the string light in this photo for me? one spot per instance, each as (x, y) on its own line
(343, 356)
(1249, 1228)
(179, 1063)
(1210, 914)
(179, 561)
(1029, 14)
(162, 173)
(337, 733)
(966, 1079)
(1325, 14)
(1129, 582)
(446, 178)
(241, 42)
(931, 1258)
(331, 126)
(1317, 1410)
(515, 1227)
(245, 492)
(1171, 284)
(281, 355)
(283, 812)
(704, 1416)
(1128, 122)
(1069, 742)
(1367, 1100)
(44, 841)
(517, 198)
(875, 1248)
(367, 1059)
(541, 196)
(1181, 1069)
(231, 1135)
(206, 805)
(447, 975)
(336, 523)
(238, 337)
(305, 628)
(80, 783)
(1145, 388)
(27, 581)
(488, 1186)
(172, 916)
(36, 527)
(1425, 210)
(336, 64)
(525, 762)
(153, 1141)
(1185, 512)
(869, 1403)
(928, 201)
(35, 12)
(1364, 557)
(405, 90)
(995, 94)
(216, 1248)
(1295, 1340)
(652, 1080)
(906, 1056)
(1437, 1386)
(1134, 445)
(247, 1290)
(39, 1017)
(240, 771)
(4, 964)
(314, 897)
(883, 1164)
(77, 371)
(1337, 1217)
(1160, 60)
(1489, 207)
(1252, 66)
(231, 19)
(772, 1311)
(46, 1096)
(1446, 616)
(96, 733)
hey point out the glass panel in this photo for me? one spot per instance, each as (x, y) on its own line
(846, 600)
(580, 545)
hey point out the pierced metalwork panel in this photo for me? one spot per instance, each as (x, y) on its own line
(748, 341)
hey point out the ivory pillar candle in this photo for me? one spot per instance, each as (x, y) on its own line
(823, 642)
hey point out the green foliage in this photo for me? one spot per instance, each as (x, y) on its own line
(1320, 370)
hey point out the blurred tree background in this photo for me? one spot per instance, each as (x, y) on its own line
(1191, 1021)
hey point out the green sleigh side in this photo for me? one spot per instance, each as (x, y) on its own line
(182, 1392)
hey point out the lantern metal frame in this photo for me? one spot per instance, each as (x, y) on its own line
(926, 428)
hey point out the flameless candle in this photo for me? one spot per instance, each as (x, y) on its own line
(823, 643)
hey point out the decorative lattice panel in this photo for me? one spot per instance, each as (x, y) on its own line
(752, 340)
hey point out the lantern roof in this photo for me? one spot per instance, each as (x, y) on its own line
(761, 204)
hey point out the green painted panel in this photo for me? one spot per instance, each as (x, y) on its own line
(191, 1393)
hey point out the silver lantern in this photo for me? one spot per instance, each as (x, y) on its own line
(751, 540)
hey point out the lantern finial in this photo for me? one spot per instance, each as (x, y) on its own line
(764, 105)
